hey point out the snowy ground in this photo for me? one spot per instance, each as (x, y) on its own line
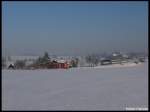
(108, 88)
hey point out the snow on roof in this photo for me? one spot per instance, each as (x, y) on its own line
(114, 54)
(61, 61)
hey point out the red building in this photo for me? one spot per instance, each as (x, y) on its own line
(58, 64)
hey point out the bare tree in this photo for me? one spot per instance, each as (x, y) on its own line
(93, 60)
(3, 62)
(9, 58)
(88, 59)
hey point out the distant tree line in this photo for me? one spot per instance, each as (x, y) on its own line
(20, 64)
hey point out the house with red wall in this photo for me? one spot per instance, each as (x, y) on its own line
(62, 64)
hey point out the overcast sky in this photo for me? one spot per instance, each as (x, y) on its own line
(74, 28)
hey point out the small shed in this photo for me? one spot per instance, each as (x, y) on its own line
(11, 66)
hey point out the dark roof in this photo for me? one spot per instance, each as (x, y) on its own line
(54, 61)
(11, 66)
(105, 60)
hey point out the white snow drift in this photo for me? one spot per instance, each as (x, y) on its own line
(114, 88)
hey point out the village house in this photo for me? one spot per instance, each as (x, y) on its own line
(106, 62)
(119, 58)
(58, 64)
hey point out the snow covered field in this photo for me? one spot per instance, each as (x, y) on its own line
(107, 88)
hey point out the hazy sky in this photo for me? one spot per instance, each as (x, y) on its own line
(74, 28)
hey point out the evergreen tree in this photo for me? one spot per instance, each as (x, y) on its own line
(43, 60)
(45, 57)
